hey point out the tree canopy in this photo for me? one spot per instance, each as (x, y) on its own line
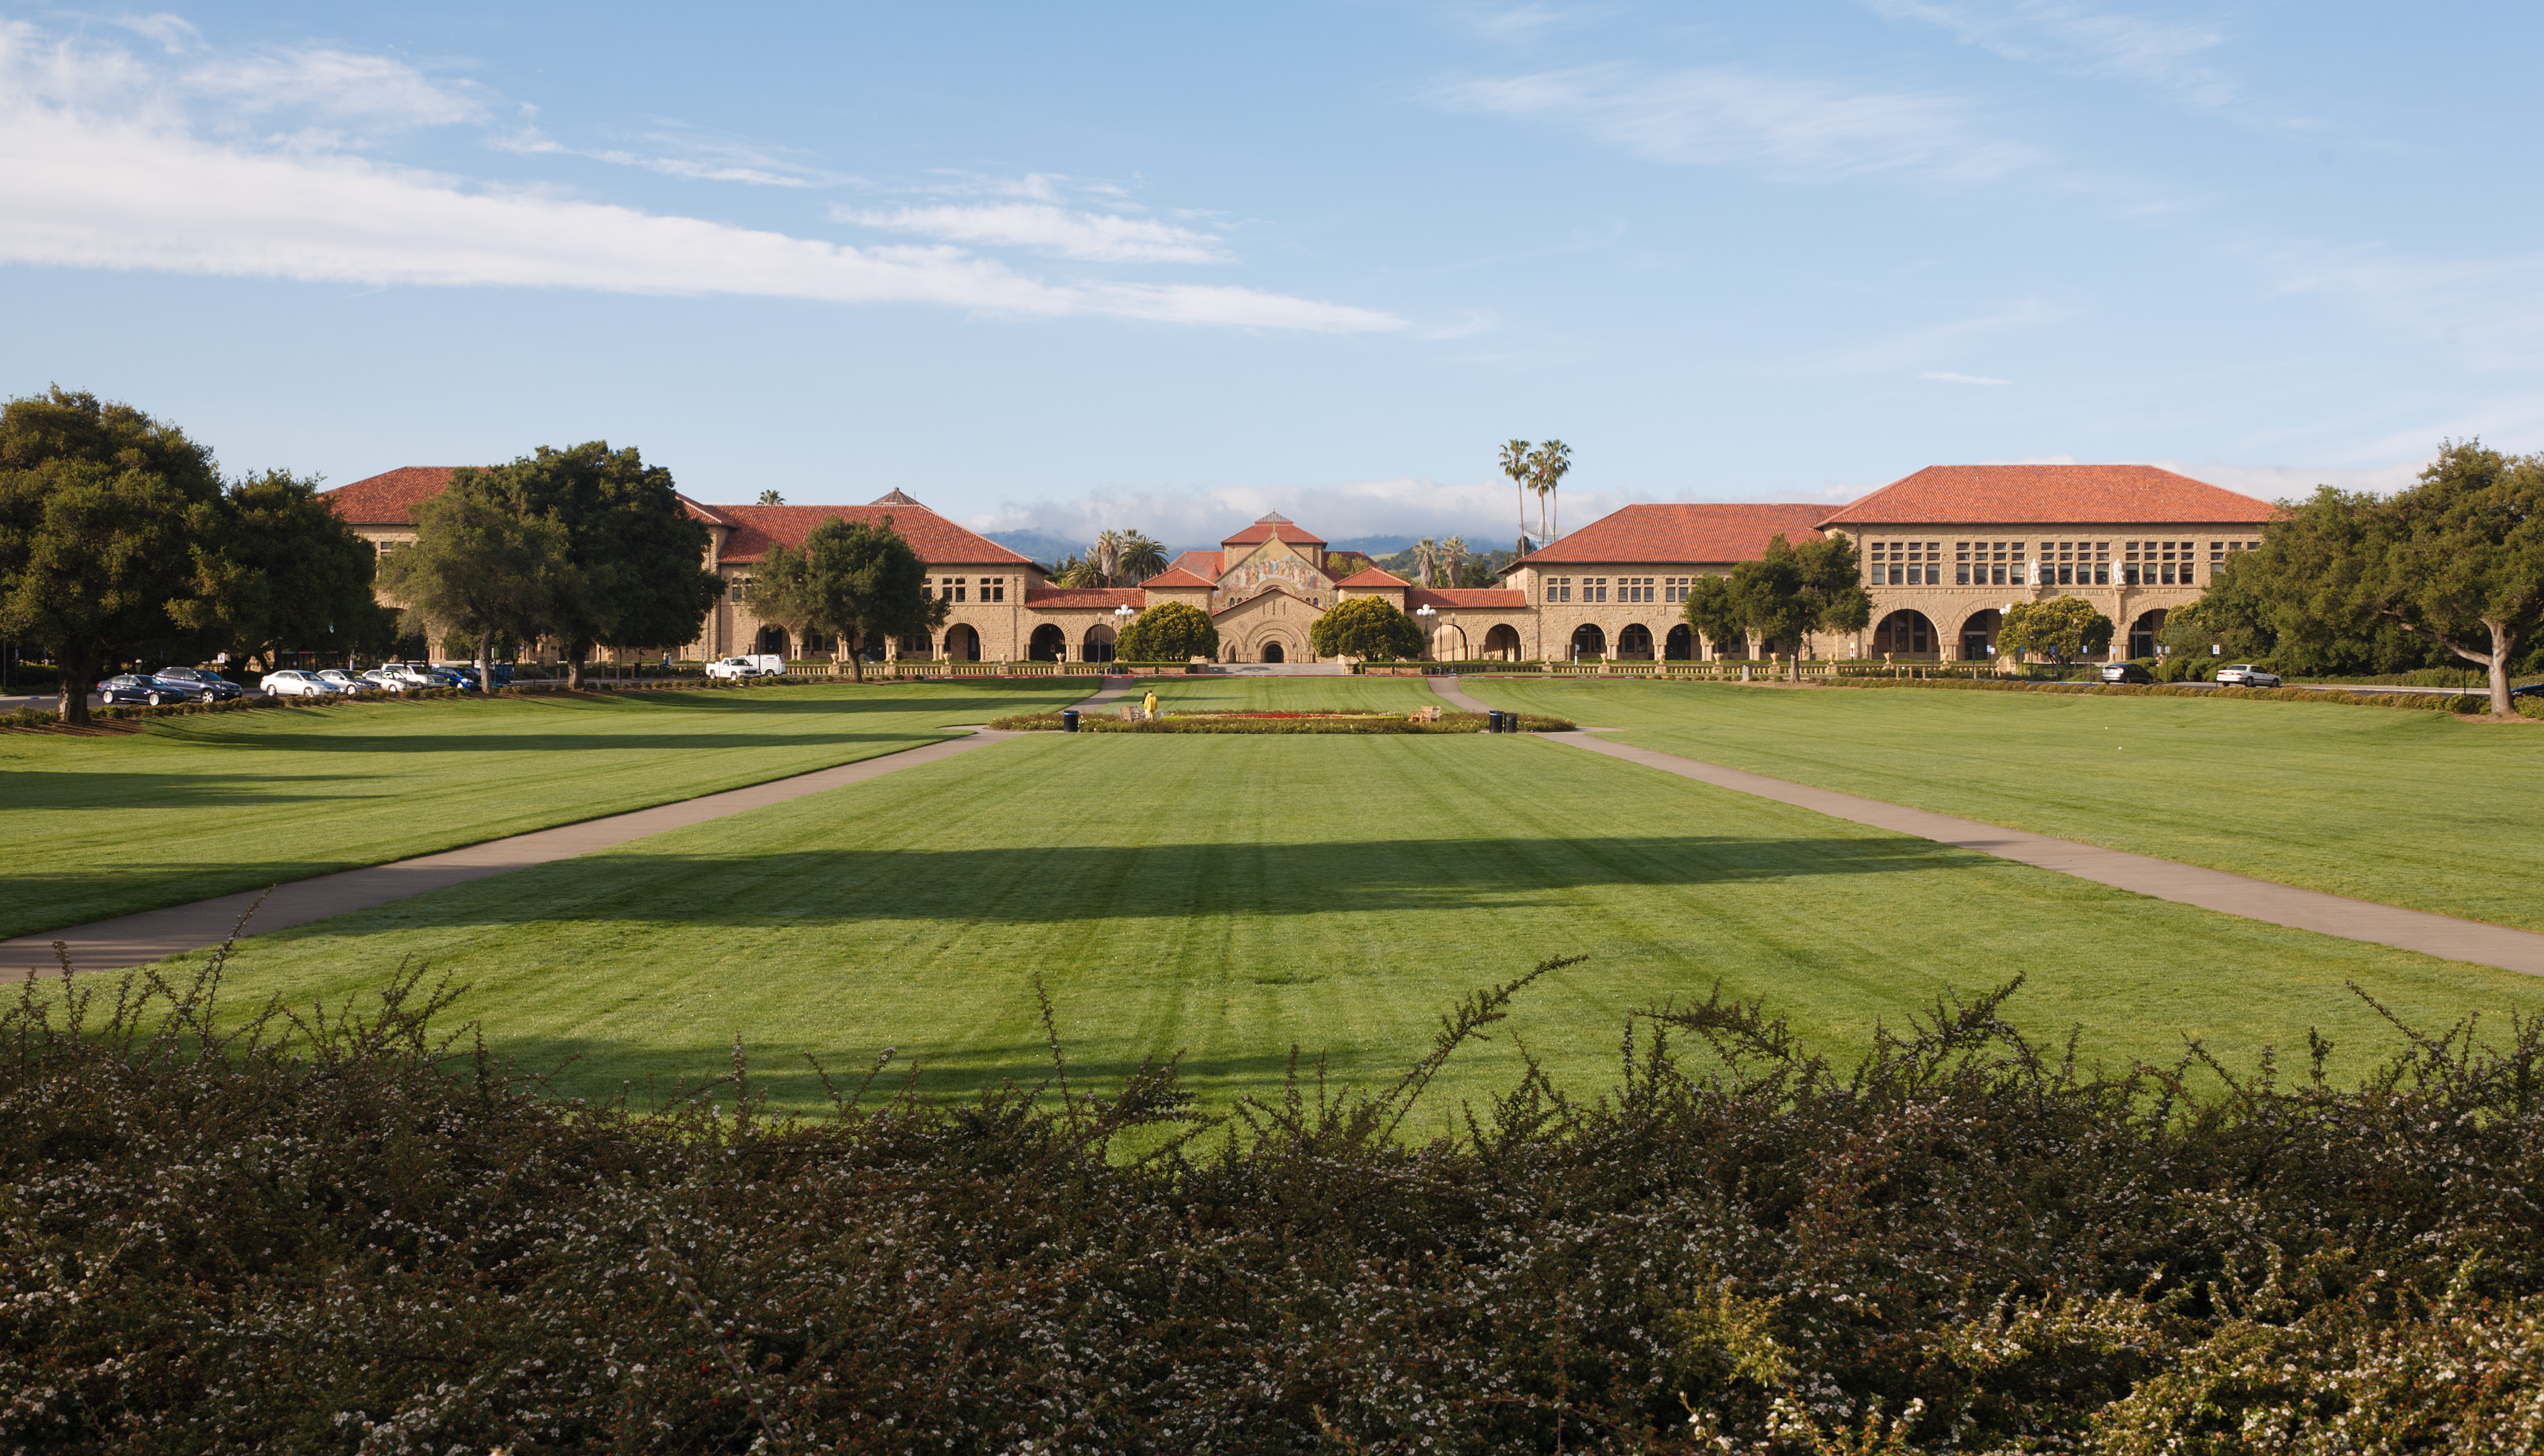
(2060, 628)
(1794, 591)
(1366, 627)
(303, 576)
(110, 525)
(1714, 611)
(635, 558)
(480, 568)
(1170, 631)
(2456, 561)
(855, 580)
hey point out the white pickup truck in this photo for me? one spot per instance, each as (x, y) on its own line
(760, 665)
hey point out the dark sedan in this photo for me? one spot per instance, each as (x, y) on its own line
(133, 687)
(199, 684)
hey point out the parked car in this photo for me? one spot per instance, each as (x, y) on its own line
(2531, 690)
(2245, 675)
(201, 683)
(759, 664)
(2126, 672)
(381, 679)
(464, 679)
(344, 681)
(132, 687)
(294, 683)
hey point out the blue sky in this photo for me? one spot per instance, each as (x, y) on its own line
(1171, 266)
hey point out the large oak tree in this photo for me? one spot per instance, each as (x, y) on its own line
(635, 557)
(2456, 560)
(1793, 590)
(299, 576)
(855, 579)
(111, 526)
(480, 567)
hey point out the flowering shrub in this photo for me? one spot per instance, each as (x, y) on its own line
(345, 1231)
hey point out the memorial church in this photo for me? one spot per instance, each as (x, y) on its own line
(1944, 550)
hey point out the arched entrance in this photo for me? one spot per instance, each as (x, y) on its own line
(1904, 634)
(1589, 644)
(962, 644)
(1099, 644)
(1502, 644)
(1679, 645)
(1448, 644)
(1731, 649)
(1978, 634)
(2144, 631)
(773, 641)
(1049, 644)
(1272, 652)
(1634, 642)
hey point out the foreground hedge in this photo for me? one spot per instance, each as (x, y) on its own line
(1275, 723)
(2444, 703)
(345, 1234)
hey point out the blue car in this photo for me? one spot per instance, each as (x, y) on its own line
(199, 683)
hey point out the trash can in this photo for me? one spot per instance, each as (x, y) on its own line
(1492, 721)
(1069, 720)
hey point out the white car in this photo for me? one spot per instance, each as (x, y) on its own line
(2245, 675)
(382, 679)
(344, 682)
(761, 665)
(294, 682)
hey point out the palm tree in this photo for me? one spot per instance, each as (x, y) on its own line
(1426, 558)
(772, 498)
(1075, 571)
(1516, 465)
(1453, 559)
(1547, 465)
(1141, 558)
(1106, 556)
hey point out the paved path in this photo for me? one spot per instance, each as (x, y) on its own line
(154, 934)
(2165, 879)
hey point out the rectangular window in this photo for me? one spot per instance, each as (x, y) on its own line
(1898, 575)
(1962, 573)
(999, 590)
(1567, 589)
(959, 584)
(1550, 590)
(1998, 579)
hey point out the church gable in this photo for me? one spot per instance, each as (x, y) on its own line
(1272, 566)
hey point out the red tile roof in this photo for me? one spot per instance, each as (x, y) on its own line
(1371, 578)
(389, 498)
(1108, 597)
(1175, 577)
(1273, 523)
(1465, 599)
(937, 540)
(1689, 533)
(1203, 564)
(2096, 495)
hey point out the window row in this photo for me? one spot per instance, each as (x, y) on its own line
(1629, 589)
(957, 589)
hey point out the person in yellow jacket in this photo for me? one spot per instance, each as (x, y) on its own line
(1149, 705)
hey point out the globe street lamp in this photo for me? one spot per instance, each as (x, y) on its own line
(1429, 618)
(1121, 619)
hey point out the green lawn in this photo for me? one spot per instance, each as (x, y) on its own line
(1232, 896)
(2403, 807)
(1287, 695)
(193, 807)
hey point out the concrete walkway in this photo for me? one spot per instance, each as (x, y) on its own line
(2210, 889)
(155, 935)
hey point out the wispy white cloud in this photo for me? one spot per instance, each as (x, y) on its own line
(2080, 39)
(2284, 482)
(1519, 24)
(1910, 350)
(102, 167)
(1948, 378)
(1101, 237)
(2487, 310)
(1801, 129)
(175, 34)
(332, 85)
(722, 161)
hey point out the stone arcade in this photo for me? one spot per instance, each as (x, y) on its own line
(1945, 551)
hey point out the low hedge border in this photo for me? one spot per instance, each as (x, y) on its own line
(2435, 702)
(1332, 723)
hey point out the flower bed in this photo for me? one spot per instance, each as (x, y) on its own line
(1243, 721)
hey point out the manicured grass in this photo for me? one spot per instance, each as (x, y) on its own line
(1285, 695)
(193, 807)
(2401, 807)
(1230, 897)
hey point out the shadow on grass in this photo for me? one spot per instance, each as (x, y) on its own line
(1059, 884)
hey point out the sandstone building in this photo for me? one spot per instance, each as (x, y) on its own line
(1945, 551)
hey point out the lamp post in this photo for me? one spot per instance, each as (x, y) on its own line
(1428, 617)
(1121, 619)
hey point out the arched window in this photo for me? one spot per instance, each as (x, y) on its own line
(1634, 642)
(1589, 644)
(1679, 645)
